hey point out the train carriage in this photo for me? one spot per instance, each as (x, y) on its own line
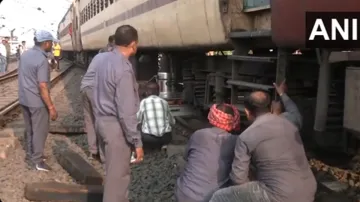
(192, 23)
(64, 30)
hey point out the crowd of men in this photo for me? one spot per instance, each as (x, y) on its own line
(266, 162)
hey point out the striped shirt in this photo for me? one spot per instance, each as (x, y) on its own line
(3, 50)
(155, 116)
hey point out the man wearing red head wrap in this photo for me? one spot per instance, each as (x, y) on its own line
(209, 154)
(224, 116)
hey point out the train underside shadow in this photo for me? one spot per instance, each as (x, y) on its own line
(193, 81)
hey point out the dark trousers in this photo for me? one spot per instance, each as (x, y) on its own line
(89, 118)
(55, 62)
(36, 131)
(152, 141)
(117, 155)
(250, 192)
(181, 197)
(7, 64)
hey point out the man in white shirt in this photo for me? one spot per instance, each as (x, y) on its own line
(23, 47)
(155, 118)
(3, 55)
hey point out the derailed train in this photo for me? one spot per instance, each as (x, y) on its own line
(263, 34)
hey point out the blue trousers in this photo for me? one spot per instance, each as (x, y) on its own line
(3, 64)
(248, 192)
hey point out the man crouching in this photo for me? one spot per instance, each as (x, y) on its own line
(208, 156)
(155, 118)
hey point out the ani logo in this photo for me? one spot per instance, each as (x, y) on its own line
(332, 30)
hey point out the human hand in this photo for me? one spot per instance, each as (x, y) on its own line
(53, 113)
(139, 155)
(281, 89)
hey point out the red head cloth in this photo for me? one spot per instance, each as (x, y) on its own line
(223, 120)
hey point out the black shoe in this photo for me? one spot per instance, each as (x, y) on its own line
(42, 166)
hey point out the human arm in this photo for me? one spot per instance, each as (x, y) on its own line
(240, 167)
(170, 116)
(140, 113)
(292, 112)
(191, 144)
(43, 77)
(127, 107)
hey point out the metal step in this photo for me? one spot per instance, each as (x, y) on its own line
(252, 58)
(240, 107)
(249, 34)
(250, 85)
(256, 9)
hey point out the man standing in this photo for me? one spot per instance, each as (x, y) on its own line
(109, 46)
(3, 55)
(23, 47)
(86, 89)
(8, 52)
(34, 97)
(116, 102)
(155, 118)
(56, 53)
(273, 145)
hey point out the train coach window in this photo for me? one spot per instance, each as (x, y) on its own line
(111, 2)
(84, 20)
(87, 14)
(106, 3)
(81, 17)
(91, 9)
(101, 5)
(94, 8)
(97, 6)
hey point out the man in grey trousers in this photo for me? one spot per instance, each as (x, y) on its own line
(116, 102)
(86, 90)
(34, 98)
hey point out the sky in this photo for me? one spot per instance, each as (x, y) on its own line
(23, 16)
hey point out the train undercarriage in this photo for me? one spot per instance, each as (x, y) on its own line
(315, 78)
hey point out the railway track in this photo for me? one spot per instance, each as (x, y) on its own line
(10, 75)
(9, 90)
(152, 180)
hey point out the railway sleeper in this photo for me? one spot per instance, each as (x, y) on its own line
(55, 191)
(79, 168)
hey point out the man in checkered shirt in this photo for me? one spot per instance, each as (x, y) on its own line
(155, 118)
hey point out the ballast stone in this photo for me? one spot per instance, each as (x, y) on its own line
(175, 149)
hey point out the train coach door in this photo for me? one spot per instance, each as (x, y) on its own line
(76, 32)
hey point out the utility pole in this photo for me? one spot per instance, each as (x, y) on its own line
(12, 33)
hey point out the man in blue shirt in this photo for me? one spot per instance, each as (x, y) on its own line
(116, 102)
(34, 97)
